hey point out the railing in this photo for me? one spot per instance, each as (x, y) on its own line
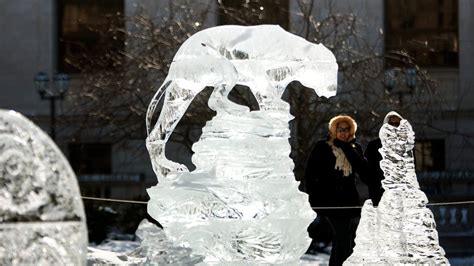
(454, 223)
(443, 186)
(454, 219)
(456, 175)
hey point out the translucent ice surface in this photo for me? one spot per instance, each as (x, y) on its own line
(153, 249)
(242, 202)
(401, 230)
(156, 249)
(42, 219)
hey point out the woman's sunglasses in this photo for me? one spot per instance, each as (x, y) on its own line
(343, 129)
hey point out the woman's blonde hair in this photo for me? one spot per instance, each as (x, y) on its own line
(342, 118)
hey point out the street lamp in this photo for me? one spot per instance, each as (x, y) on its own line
(390, 79)
(392, 76)
(52, 93)
(410, 77)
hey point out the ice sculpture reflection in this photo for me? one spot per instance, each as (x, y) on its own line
(41, 213)
(401, 230)
(242, 201)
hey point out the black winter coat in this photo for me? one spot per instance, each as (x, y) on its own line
(374, 172)
(327, 186)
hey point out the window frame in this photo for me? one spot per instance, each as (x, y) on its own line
(391, 51)
(438, 147)
(87, 39)
(283, 5)
(85, 149)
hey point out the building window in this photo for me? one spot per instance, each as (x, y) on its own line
(254, 12)
(425, 29)
(90, 158)
(81, 24)
(429, 155)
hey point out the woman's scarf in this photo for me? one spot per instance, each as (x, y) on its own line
(342, 163)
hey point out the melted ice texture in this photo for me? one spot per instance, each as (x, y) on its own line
(401, 230)
(242, 201)
(42, 219)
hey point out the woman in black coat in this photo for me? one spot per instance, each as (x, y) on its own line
(330, 182)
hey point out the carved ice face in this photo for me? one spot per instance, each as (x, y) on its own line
(394, 120)
(41, 213)
(17, 169)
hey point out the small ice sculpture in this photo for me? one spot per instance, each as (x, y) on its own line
(242, 201)
(42, 219)
(401, 230)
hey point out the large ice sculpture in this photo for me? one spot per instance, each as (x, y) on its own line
(401, 230)
(242, 201)
(42, 219)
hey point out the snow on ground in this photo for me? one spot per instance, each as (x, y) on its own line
(118, 246)
(111, 252)
(319, 259)
(97, 256)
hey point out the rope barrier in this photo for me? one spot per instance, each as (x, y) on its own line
(315, 208)
(429, 204)
(116, 200)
